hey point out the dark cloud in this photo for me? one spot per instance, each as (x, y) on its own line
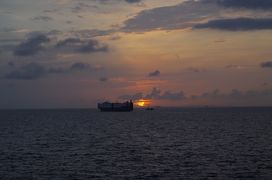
(103, 79)
(189, 13)
(154, 74)
(68, 42)
(35, 70)
(267, 64)
(37, 42)
(249, 4)
(27, 72)
(82, 46)
(79, 66)
(238, 24)
(32, 45)
(179, 16)
(42, 18)
(92, 46)
(133, 1)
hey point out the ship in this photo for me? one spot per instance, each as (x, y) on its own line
(115, 107)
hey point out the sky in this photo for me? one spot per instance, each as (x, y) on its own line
(76, 53)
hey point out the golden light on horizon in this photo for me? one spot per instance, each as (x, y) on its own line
(143, 102)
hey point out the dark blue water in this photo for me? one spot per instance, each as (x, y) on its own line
(222, 143)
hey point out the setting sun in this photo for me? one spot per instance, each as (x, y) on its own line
(143, 102)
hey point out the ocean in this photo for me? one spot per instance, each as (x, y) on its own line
(185, 143)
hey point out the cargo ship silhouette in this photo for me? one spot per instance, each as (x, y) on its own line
(115, 107)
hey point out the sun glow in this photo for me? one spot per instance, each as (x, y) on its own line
(143, 102)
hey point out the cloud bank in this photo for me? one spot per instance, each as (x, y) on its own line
(217, 14)
(238, 24)
(34, 70)
(216, 97)
(155, 94)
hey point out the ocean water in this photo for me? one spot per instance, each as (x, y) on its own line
(196, 143)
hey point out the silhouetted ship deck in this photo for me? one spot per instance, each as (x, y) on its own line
(115, 107)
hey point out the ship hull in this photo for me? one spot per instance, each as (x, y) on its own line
(115, 107)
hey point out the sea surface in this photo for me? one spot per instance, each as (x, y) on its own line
(188, 143)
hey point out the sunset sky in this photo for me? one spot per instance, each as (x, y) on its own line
(75, 53)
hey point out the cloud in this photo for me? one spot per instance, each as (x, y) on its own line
(208, 95)
(133, 1)
(249, 4)
(103, 79)
(43, 18)
(36, 70)
(217, 12)
(235, 94)
(36, 42)
(154, 74)
(31, 46)
(267, 64)
(179, 16)
(133, 97)
(82, 46)
(68, 42)
(156, 94)
(90, 33)
(234, 97)
(168, 95)
(92, 46)
(79, 66)
(237, 24)
(80, 7)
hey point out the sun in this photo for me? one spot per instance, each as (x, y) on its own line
(143, 102)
